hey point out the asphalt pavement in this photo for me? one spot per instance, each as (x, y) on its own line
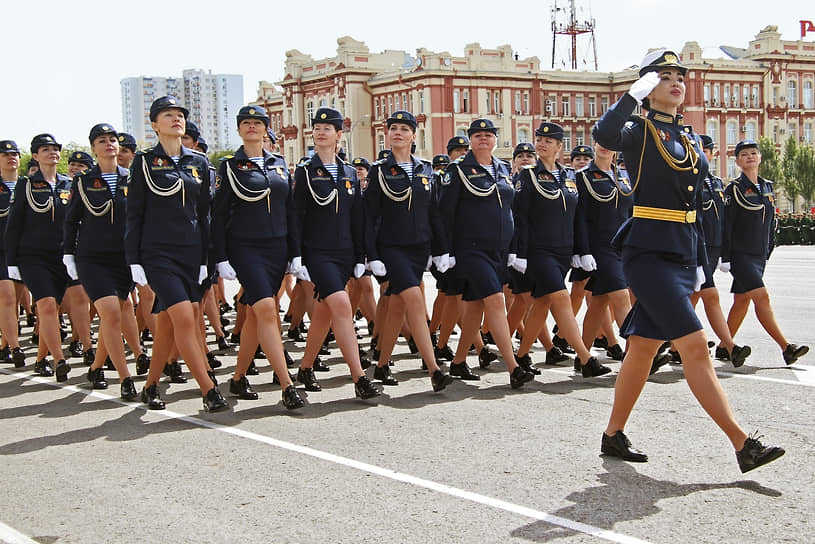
(478, 462)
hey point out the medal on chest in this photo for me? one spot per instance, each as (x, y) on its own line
(349, 188)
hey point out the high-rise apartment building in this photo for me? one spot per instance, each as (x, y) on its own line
(213, 101)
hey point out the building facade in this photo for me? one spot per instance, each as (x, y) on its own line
(765, 89)
(213, 101)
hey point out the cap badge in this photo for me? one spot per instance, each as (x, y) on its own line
(671, 58)
(171, 101)
(323, 116)
(461, 140)
(399, 116)
(483, 124)
(546, 129)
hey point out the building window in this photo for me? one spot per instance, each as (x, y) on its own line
(398, 107)
(750, 133)
(711, 130)
(578, 107)
(567, 138)
(421, 101)
(551, 106)
(592, 107)
(792, 93)
(707, 93)
(746, 95)
(808, 94)
(405, 102)
(465, 100)
(489, 103)
(775, 96)
(310, 111)
(461, 132)
(523, 136)
(808, 132)
(603, 105)
(731, 167)
(580, 139)
(323, 103)
(565, 107)
(775, 134)
(731, 133)
(792, 131)
(380, 142)
(496, 102)
(526, 103)
(421, 139)
(735, 96)
(517, 102)
(390, 106)
(716, 95)
(456, 104)
(756, 102)
(376, 108)
(726, 97)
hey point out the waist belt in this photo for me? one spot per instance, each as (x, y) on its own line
(664, 214)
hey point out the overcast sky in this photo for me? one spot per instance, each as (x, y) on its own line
(63, 60)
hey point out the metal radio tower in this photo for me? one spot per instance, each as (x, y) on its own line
(565, 23)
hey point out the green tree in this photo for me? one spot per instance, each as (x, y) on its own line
(25, 156)
(804, 171)
(216, 156)
(771, 167)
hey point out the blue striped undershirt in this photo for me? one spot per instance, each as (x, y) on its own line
(258, 161)
(332, 169)
(11, 185)
(408, 168)
(490, 169)
(112, 180)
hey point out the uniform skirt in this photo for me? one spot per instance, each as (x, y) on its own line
(547, 269)
(519, 283)
(663, 286)
(44, 275)
(329, 270)
(104, 275)
(578, 274)
(260, 266)
(747, 271)
(713, 254)
(3, 267)
(609, 275)
(405, 265)
(481, 272)
(174, 278)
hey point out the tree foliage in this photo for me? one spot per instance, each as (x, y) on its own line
(804, 172)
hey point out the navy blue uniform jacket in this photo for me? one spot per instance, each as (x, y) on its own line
(749, 218)
(85, 233)
(713, 211)
(601, 208)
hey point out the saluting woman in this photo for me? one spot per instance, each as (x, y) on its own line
(545, 236)
(476, 205)
(253, 236)
(94, 253)
(405, 229)
(330, 228)
(34, 247)
(662, 249)
(166, 241)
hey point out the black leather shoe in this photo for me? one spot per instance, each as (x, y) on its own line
(577, 366)
(62, 369)
(276, 380)
(525, 362)
(97, 378)
(5, 354)
(440, 380)
(555, 356)
(224, 321)
(259, 354)
(18, 357)
(434, 338)
(222, 343)
(443, 353)
(88, 356)
(364, 362)
(383, 374)
(324, 351)
(721, 354)
(109, 364)
(414, 349)
(593, 368)
(128, 390)
(43, 368)
(142, 364)
(463, 372)
(242, 389)
(660, 360)
(519, 377)
(487, 338)
(292, 399)
(214, 401)
(664, 346)
(364, 389)
(793, 352)
(211, 374)
(619, 445)
(35, 338)
(306, 377)
(615, 352)
(75, 349)
(485, 357)
(30, 320)
(235, 338)
(320, 366)
(295, 334)
(146, 336)
(562, 344)
(214, 362)
(173, 370)
(289, 361)
(252, 370)
(150, 397)
(754, 454)
(739, 354)
(601, 342)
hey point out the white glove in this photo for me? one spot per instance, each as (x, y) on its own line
(302, 273)
(519, 265)
(588, 263)
(138, 274)
(724, 267)
(225, 270)
(511, 259)
(429, 262)
(442, 262)
(452, 263)
(295, 265)
(643, 86)
(14, 273)
(359, 270)
(700, 278)
(378, 268)
(70, 266)
(575, 261)
(202, 273)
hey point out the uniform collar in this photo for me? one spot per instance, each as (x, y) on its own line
(744, 180)
(470, 159)
(390, 160)
(185, 151)
(37, 176)
(661, 117)
(241, 154)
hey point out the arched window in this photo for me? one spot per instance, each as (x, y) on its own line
(523, 136)
(808, 94)
(750, 133)
(380, 142)
(732, 133)
(792, 93)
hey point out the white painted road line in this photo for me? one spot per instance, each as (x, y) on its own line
(352, 463)
(9, 535)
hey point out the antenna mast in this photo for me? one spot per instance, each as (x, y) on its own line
(565, 23)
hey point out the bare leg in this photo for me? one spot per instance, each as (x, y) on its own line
(633, 375)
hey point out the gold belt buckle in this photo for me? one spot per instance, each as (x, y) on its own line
(690, 217)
